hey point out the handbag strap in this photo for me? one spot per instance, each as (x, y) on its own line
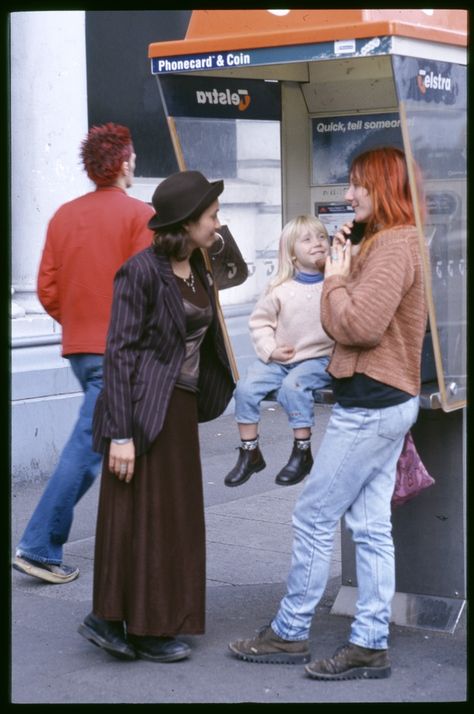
(220, 316)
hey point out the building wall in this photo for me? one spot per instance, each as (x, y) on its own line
(48, 120)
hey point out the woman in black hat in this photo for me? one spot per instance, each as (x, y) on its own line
(166, 369)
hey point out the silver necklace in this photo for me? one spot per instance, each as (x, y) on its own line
(190, 282)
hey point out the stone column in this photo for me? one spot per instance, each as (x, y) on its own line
(48, 122)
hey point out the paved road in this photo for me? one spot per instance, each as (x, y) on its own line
(248, 550)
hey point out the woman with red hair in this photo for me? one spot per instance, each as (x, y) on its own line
(373, 306)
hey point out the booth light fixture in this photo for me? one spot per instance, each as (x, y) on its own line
(428, 12)
(280, 13)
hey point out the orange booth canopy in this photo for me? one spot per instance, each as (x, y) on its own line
(222, 30)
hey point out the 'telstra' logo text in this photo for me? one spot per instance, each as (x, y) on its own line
(429, 80)
(240, 98)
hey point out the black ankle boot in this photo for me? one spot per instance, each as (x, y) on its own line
(249, 462)
(159, 649)
(299, 466)
(107, 634)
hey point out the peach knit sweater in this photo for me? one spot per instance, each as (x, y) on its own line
(290, 314)
(377, 315)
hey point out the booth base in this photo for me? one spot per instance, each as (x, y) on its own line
(426, 612)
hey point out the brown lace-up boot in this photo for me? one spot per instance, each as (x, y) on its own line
(268, 647)
(351, 662)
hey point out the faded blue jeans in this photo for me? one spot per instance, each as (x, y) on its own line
(49, 526)
(353, 475)
(295, 383)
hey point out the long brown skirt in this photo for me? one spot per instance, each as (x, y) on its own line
(149, 567)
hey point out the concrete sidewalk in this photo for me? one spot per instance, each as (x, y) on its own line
(248, 552)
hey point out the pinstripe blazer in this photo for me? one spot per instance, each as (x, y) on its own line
(146, 349)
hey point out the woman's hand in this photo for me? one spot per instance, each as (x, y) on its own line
(342, 234)
(282, 353)
(122, 460)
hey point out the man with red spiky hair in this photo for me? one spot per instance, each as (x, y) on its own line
(87, 241)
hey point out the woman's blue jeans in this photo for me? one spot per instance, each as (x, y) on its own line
(295, 383)
(353, 475)
(49, 526)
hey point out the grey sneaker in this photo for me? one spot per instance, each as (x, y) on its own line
(45, 571)
(268, 647)
(351, 662)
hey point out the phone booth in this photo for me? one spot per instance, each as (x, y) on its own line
(346, 81)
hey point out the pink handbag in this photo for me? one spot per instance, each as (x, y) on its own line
(412, 476)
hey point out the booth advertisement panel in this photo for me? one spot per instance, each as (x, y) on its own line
(337, 140)
(210, 97)
(433, 99)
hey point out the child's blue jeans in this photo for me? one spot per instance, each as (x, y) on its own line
(294, 382)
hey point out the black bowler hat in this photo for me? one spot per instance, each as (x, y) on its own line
(180, 196)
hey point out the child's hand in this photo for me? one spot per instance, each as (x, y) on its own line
(282, 353)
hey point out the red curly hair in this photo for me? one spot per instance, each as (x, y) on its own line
(104, 150)
(384, 173)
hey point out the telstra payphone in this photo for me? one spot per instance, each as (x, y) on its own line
(350, 80)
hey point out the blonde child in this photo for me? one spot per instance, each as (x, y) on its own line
(292, 349)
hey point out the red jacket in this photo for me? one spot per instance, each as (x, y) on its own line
(87, 241)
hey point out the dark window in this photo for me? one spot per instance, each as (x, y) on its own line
(120, 86)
